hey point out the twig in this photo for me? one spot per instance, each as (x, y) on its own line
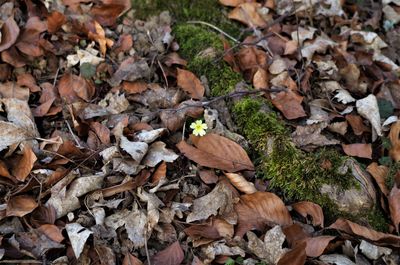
(73, 135)
(215, 28)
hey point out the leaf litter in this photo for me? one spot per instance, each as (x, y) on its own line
(98, 165)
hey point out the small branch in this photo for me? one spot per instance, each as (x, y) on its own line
(215, 28)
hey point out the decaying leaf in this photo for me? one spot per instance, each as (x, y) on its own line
(172, 255)
(259, 209)
(25, 164)
(368, 108)
(20, 205)
(158, 153)
(130, 70)
(219, 200)
(289, 102)
(359, 150)
(306, 208)
(217, 228)
(394, 206)
(131, 260)
(379, 173)
(215, 151)
(9, 34)
(247, 13)
(241, 183)
(78, 236)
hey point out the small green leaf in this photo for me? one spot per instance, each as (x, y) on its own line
(385, 108)
(229, 262)
(87, 70)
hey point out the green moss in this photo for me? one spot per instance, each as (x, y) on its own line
(188, 10)
(193, 41)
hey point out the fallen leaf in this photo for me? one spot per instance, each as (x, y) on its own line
(25, 164)
(35, 243)
(367, 233)
(232, 2)
(129, 259)
(12, 90)
(137, 150)
(309, 137)
(394, 206)
(379, 173)
(373, 252)
(130, 70)
(107, 12)
(52, 232)
(20, 205)
(289, 103)
(78, 235)
(215, 151)
(55, 20)
(28, 40)
(158, 153)
(208, 176)
(9, 34)
(336, 259)
(317, 245)
(190, 84)
(295, 256)
(319, 44)
(72, 87)
(394, 135)
(219, 200)
(241, 183)
(359, 150)
(260, 79)
(28, 81)
(306, 208)
(368, 108)
(356, 123)
(134, 87)
(217, 228)
(174, 119)
(259, 209)
(172, 255)
(247, 13)
(99, 36)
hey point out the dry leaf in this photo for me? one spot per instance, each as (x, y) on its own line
(130, 70)
(394, 135)
(241, 183)
(77, 235)
(260, 79)
(379, 173)
(217, 228)
(368, 108)
(134, 87)
(208, 176)
(55, 20)
(158, 153)
(20, 205)
(72, 87)
(259, 209)
(306, 208)
(172, 255)
(129, 259)
(52, 232)
(359, 150)
(394, 206)
(12, 90)
(370, 234)
(9, 34)
(356, 123)
(215, 151)
(25, 164)
(309, 137)
(295, 256)
(190, 83)
(29, 81)
(232, 2)
(289, 103)
(317, 245)
(247, 13)
(219, 200)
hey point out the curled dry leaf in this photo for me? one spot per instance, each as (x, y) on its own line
(77, 235)
(233, 2)
(379, 173)
(172, 255)
(174, 119)
(289, 103)
(20, 205)
(295, 256)
(215, 151)
(394, 206)
(362, 231)
(25, 164)
(217, 228)
(259, 209)
(356, 123)
(130, 70)
(52, 232)
(359, 150)
(241, 183)
(72, 87)
(315, 246)
(9, 34)
(306, 208)
(54, 21)
(368, 108)
(190, 83)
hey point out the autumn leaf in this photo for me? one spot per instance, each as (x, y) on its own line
(295, 256)
(316, 245)
(129, 259)
(54, 21)
(394, 206)
(259, 209)
(289, 103)
(9, 34)
(359, 150)
(247, 13)
(72, 87)
(379, 173)
(306, 208)
(217, 228)
(25, 164)
(172, 255)
(20, 205)
(216, 151)
(241, 183)
(99, 36)
(190, 83)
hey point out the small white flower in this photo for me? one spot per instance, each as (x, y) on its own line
(199, 128)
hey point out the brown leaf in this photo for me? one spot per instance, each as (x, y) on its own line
(99, 36)
(359, 150)
(174, 119)
(28, 41)
(131, 260)
(379, 173)
(394, 206)
(172, 255)
(259, 209)
(196, 261)
(20, 205)
(109, 11)
(52, 232)
(394, 151)
(260, 79)
(72, 87)
(295, 256)
(159, 174)
(370, 234)
(124, 43)
(54, 21)
(247, 13)
(241, 183)
(9, 34)
(134, 87)
(174, 58)
(29, 81)
(289, 103)
(217, 228)
(317, 245)
(25, 165)
(130, 69)
(312, 209)
(190, 83)
(356, 123)
(216, 151)
(101, 131)
(232, 2)
(208, 176)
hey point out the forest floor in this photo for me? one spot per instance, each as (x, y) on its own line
(199, 132)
